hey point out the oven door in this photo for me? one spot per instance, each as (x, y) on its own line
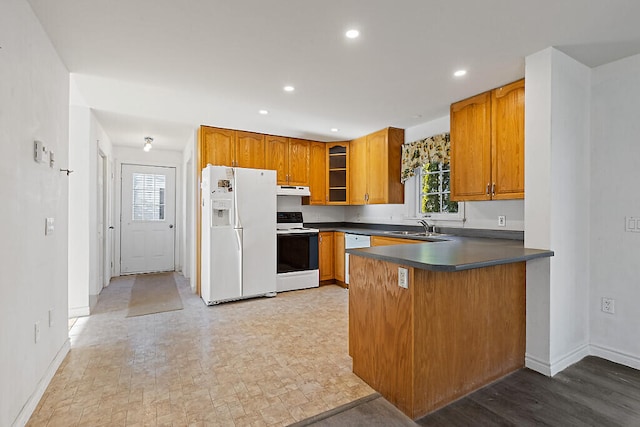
(297, 252)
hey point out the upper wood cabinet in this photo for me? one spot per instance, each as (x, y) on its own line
(337, 173)
(250, 150)
(217, 146)
(277, 156)
(299, 161)
(507, 138)
(487, 145)
(317, 174)
(290, 158)
(374, 164)
(227, 147)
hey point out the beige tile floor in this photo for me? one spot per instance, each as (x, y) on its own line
(259, 362)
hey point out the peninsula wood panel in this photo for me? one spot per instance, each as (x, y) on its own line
(381, 329)
(298, 164)
(277, 156)
(250, 151)
(471, 148)
(507, 137)
(471, 331)
(447, 335)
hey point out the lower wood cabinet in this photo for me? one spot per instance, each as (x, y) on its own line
(338, 245)
(325, 255)
(388, 241)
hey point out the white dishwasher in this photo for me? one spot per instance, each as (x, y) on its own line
(353, 241)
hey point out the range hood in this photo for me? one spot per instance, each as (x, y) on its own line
(292, 190)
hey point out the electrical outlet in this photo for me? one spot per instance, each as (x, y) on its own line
(36, 332)
(608, 305)
(50, 317)
(502, 221)
(49, 226)
(403, 277)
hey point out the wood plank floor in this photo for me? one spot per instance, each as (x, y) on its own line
(593, 392)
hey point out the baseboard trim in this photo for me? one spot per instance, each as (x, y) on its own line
(569, 359)
(551, 368)
(537, 365)
(28, 408)
(615, 356)
(79, 311)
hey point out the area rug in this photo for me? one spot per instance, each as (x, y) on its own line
(154, 293)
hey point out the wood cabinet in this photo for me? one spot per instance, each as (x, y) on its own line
(337, 173)
(290, 158)
(446, 335)
(338, 245)
(374, 164)
(317, 174)
(228, 147)
(325, 255)
(217, 146)
(487, 145)
(388, 241)
(249, 150)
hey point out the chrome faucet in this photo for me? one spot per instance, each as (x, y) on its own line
(428, 228)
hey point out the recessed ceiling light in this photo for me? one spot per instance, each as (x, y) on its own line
(334, 129)
(352, 34)
(289, 88)
(263, 112)
(460, 73)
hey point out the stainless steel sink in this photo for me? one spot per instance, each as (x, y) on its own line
(414, 233)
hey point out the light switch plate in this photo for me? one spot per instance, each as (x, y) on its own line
(49, 226)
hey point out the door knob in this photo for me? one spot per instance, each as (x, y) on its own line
(170, 225)
(111, 227)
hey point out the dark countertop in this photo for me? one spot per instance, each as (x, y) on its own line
(444, 252)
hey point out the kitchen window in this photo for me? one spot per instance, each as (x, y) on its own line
(434, 190)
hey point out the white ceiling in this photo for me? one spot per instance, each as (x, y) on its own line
(161, 67)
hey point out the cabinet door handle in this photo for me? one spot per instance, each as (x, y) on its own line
(493, 189)
(488, 185)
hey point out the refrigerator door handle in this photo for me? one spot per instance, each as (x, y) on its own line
(238, 232)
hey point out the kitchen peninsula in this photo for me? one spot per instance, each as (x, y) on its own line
(457, 325)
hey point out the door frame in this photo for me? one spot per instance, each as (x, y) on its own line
(118, 203)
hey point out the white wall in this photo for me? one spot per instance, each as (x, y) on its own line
(86, 139)
(190, 206)
(615, 152)
(557, 209)
(155, 157)
(482, 215)
(34, 101)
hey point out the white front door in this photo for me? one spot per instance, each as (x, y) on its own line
(147, 222)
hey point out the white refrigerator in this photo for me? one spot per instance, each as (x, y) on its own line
(238, 246)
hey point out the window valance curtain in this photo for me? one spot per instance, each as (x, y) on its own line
(418, 153)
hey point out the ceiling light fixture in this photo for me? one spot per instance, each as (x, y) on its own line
(352, 34)
(147, 143)
(334, 129)
(263, 112)
(460, 73)
(289, 88)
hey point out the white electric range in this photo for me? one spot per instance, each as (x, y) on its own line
(297, 256)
